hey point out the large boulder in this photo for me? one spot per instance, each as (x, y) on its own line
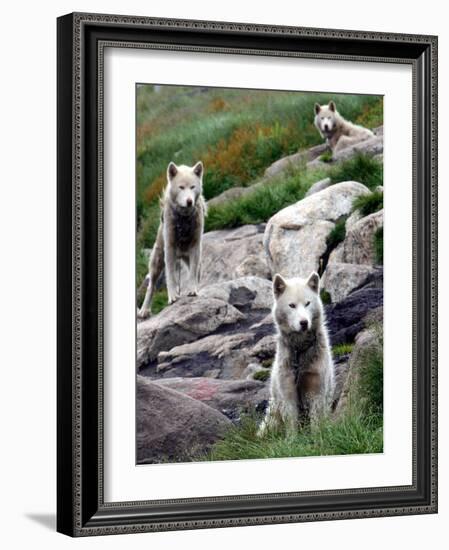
(226, 252)
(301, 157)
(216, 356)
(295, 238)
(223, 355)
(228, 195)
(371, 147)
(318, 186)
(173, 427)
(244, 292)
(345, 319)
(340, 279)
(186, 320)
(358, 246)
(368, 343)
(230, 397)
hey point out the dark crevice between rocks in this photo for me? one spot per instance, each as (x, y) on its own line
(346, 319)
(335, 237)
(201, 362)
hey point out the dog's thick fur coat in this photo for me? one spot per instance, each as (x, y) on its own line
(178, 239)
(338, 132)
(302, 376)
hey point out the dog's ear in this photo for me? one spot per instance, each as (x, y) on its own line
(198, 169)
(279, 285)
(314, 281)
(317, 108)
(172, 170)
(332, 106)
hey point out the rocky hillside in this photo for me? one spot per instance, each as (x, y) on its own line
(204, 361)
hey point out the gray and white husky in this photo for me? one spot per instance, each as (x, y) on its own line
(338, 132)
(178, 239)
(302, 377)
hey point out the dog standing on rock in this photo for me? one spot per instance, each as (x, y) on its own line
(338, 132)
(302, 377)
(179, 235)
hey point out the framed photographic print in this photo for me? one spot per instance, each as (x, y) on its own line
(247, 278)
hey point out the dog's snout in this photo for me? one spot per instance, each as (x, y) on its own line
(326, 127)
(189, 202)
(303, 324)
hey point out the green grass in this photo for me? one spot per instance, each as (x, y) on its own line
(326, 156)
(368, 384)
(368, 204)
(357, 429)
(237, 133)
(160, 301)
(353, 433)
(262, 203)
(338, 233)
(262, 375)
(342, 349)
(361, 168)
(379, 245)
(325, 297)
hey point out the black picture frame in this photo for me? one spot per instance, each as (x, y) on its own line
(81, 509)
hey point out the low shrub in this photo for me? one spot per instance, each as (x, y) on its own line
(379, 245)
(262, 375)
(361, 168)
(342, 349)
(368, 204)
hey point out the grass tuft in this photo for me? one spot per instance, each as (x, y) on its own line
(338, 234)
(342, 349)
(325, 297)
(262, 203)
(160, 301)
(262, 375)
(326, 156)
(368, 204)
(361, 168)
(379, 245)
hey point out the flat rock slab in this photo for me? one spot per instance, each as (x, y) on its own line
(252, 292)
(173, 427)
(345, 319)
(340, 279)
(230, 397)
(231, 253)
(186, 320)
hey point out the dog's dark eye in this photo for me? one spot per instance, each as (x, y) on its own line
(307, 304)
(192, 187)
(181, 187)
(292, 306)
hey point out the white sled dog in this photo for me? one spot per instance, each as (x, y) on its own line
(183, 210)
(337, 131)
(302, 377)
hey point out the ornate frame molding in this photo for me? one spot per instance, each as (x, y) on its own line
(82, 511)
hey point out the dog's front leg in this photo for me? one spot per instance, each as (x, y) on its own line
(194, 271)
(289, 410)
(171, 265)
(272, 419)
(145, 310)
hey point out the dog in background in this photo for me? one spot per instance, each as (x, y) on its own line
(178, 239)
(302, 376)
(338, 132)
